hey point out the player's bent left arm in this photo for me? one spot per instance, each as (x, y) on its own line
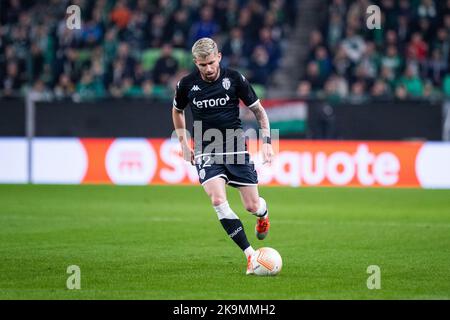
(264, 125)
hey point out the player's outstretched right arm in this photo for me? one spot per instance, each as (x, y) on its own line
(179, 123)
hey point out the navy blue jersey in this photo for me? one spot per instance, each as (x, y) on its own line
(216, 105)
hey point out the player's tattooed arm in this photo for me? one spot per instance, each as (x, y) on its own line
(264, 125)
(262, 119)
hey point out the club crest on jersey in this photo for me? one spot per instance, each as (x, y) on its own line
(202, 174)
(226, 83)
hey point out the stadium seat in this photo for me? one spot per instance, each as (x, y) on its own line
(149, 58)
(446, 86)
(84, 55)
(161, 92)
(183, 57)
(260, 90)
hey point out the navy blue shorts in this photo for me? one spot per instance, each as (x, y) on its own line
(235, 174)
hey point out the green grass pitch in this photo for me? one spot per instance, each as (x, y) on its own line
(165, 242)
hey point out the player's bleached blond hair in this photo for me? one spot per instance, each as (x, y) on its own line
(204, 47)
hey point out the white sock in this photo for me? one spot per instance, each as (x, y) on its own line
(262, 208)
(249, 251)
(225, 212)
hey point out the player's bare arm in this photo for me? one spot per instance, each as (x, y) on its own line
(179, 123)
(263, 122)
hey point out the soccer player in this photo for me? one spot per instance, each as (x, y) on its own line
(213, 93)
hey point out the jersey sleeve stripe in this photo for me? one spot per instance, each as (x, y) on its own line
(254, 104)
(177, 108)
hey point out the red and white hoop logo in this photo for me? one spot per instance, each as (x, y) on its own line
(131, 161)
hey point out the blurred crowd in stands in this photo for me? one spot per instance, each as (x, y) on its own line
(133, 48)
(137, 48)
(407, 58)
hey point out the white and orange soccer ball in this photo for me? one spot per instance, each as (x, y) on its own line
(266, 262)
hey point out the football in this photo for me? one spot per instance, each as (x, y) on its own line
(266, 262)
